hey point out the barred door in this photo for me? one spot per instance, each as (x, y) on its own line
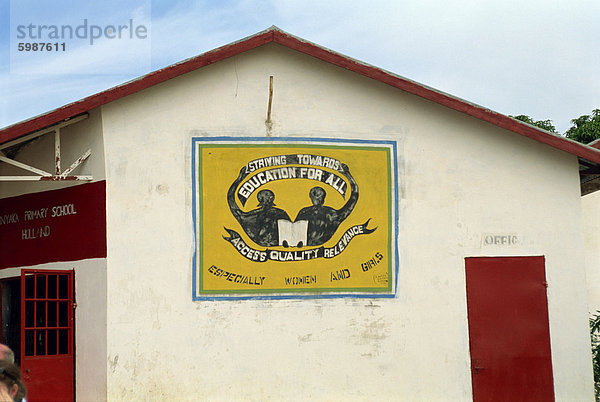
(47, 334)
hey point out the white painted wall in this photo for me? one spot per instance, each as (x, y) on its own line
(459, 179)
(591, 231)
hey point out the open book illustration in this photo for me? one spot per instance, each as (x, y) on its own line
(292, 234)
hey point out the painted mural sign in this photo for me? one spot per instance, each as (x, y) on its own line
(294, 218)
(68, 224)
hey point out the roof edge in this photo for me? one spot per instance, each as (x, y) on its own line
(562, 143)
(130, 87)
(595, 143)
(275, 34)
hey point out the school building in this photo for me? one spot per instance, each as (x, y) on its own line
(272, 220)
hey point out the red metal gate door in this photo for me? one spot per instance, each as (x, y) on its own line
(509, 334)
(47, 327)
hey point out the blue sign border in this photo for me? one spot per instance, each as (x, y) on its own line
(266, 141)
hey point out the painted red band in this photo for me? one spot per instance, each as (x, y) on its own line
(58, 225)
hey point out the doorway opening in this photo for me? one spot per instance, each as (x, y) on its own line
(509, 335)
(38, 324)
(11, 315)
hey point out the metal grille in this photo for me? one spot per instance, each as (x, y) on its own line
(48, 313)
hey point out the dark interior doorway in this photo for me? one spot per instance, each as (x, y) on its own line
(38, 324)
(11, 315)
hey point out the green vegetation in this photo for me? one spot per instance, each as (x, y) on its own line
(595, 334)
(584, 129)
(543, 124)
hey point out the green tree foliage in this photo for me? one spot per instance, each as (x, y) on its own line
(585, 128)
(595, 334)
(543, 124)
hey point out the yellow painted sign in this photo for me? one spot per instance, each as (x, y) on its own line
(286, 218)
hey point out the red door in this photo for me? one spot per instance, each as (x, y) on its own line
(47, 327)
(509, 334)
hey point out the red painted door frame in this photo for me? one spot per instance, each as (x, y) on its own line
(48, 334)
(509, 335)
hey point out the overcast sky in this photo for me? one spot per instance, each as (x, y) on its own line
(535, 57)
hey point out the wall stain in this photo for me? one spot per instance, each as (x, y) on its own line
(113, 363)
(376, 330)
(305, 338)
(162, 189)
(369, 334)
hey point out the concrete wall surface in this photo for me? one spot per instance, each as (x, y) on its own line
(591, 231)
(459, 179)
